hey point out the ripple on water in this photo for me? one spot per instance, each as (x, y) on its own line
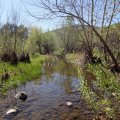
(47, 101)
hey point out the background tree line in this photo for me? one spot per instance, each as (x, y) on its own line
(95, 18)
(83, 29)
(69, 38)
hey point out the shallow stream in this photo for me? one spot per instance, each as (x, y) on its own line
(48, 96)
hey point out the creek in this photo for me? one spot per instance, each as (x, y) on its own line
(48, 96)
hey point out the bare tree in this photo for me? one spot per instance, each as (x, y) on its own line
(0, 25)
(15, 19)
(103, 12)
(1, 10)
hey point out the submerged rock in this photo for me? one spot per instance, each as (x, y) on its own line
(10, 111)
(73, 91)
(39, 83)
(22, 96)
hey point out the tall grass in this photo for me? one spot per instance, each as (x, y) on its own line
(21, 73)
(99, 87)
(103, 94)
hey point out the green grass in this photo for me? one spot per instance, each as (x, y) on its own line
(21, 73)
(105, 96)
(108, 85)
(74, 57)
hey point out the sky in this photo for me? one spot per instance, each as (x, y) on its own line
(24, 17)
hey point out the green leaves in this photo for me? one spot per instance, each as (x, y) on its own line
(103, 94)
(22, 72)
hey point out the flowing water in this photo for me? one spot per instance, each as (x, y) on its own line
(48, 95)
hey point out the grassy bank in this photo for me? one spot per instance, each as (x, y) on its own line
(21, 73)
(77, 58)
(100, 88)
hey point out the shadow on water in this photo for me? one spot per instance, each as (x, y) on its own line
(48, 95)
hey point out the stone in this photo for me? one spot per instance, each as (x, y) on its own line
(22, 96)
(10, 111)
(74, 91)
(69, 104)
(113, 94)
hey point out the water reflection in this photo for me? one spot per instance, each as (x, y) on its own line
(63, 74)
(62, 67)
(47, 96)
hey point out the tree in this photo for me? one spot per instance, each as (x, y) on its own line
(39, 42)
(61, 8)
(7, 33)
(49, 43)
(15, 19)
(31, 43)
(68, 34)
(22, 34)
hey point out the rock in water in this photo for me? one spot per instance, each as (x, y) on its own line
(73, 91)
(10, 111)
(69, 104)
(22, 96)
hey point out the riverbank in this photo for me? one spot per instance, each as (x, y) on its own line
(76, 58)
(49, 95)
(21, 73)
(99, 86)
